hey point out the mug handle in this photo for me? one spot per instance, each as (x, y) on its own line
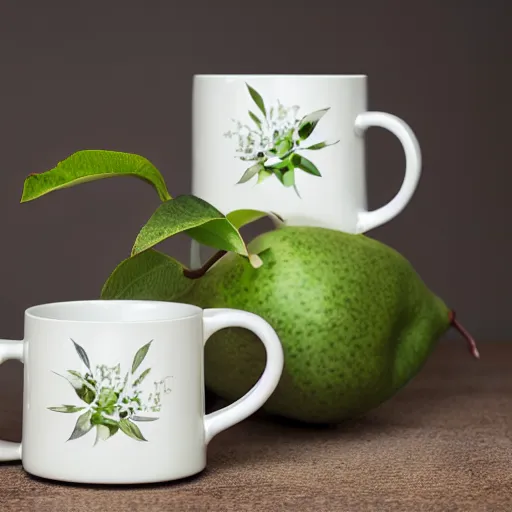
(213, 321)
(10, 350)
(369, 220)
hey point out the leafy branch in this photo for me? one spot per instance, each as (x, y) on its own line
(184, 214)
(147, 273)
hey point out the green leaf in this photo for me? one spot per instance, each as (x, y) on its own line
(86, 394)
(113, 429)
(256, 119)
(279, 174)
(105, 427)
(144, 418)
(307, 166)
(85, 391)
(82, 354)
(250, 173)
(151, 275)
(282, 164)
(263, 175)
(308, 123)
(283, 148)
(131, 430)
(99, 419)
(90, 165)
(66, 408)
(139, 356)
(83, 425)
(142, 376)
(320, 145)
(197, 218)
(82, 379)
(82, 388)
(289, 178)
(240, 218)
(257, 99)
(102, 433)
(107, 400)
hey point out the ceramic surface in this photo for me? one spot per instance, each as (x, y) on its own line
(246, 126)
(114, 390)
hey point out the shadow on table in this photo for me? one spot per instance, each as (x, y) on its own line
(119, 487)
(265, 439)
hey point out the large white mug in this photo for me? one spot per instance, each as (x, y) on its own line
(114, 390)
(292, 145)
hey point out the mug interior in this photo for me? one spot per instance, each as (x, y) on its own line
(111, 311)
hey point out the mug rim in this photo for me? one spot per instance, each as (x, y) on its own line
(278, 75)
(36, 312)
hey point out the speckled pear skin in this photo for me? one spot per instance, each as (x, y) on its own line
(355, 320)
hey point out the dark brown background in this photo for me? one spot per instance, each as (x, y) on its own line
(118, 75)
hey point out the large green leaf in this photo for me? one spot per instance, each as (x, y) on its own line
(240, 218)
(151, 275)
(308, 123)
(255, 95)
(131, 430)
(90, 165)
(197, 218)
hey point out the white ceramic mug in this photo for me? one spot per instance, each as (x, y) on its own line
(258, 128)
(114, 393)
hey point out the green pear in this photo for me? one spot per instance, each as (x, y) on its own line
(356, 322)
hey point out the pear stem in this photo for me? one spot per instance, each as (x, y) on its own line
(200, 272)
(471, 341)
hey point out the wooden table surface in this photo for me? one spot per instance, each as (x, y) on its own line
(444, 443)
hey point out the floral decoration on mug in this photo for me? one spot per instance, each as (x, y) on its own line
(275, 140)
(112, 403)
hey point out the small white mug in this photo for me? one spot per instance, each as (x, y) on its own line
(293, 145)
(114, 390)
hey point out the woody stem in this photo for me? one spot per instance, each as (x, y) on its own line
(200, 272)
